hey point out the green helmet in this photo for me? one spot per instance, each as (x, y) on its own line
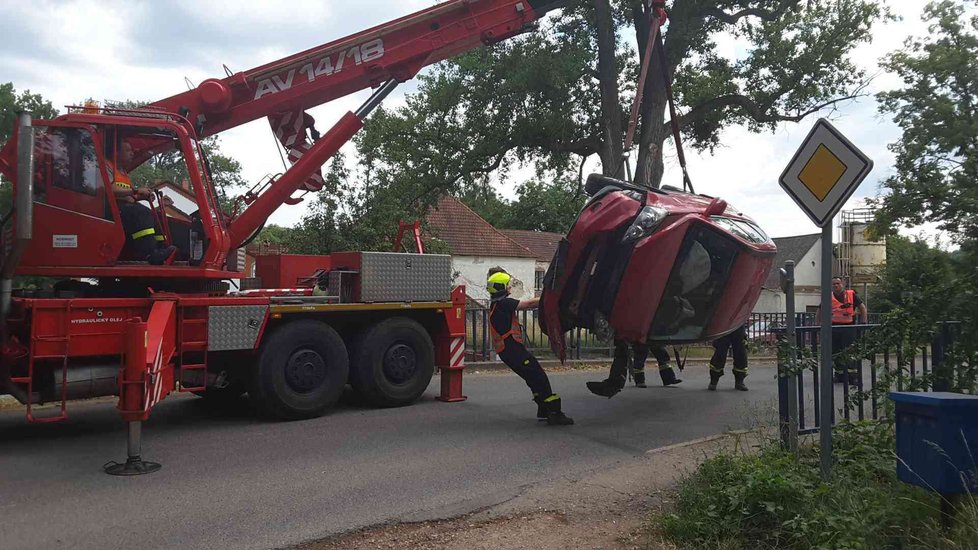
(497, 283)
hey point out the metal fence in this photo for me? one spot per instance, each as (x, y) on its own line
(581, 344)
(763, 328)
(875, 373)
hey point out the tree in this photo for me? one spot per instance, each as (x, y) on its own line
(936, 181)
(936, 167)
(11, 105)
(554, 97)
(538, 207)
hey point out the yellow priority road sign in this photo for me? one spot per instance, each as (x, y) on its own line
(824, 172)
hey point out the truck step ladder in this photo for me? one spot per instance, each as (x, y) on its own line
(192, 347)
(28, 380)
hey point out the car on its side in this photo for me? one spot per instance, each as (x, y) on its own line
(654, 265)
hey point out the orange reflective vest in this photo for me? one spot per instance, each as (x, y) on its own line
(499, 340)
(120, 179)
(843, 313)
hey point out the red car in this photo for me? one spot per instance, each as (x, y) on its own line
(659, 266)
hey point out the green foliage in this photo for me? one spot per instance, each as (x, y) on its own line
(936, 176)
(538, 207)
(11, 104)
(936, 182)
(773, 500)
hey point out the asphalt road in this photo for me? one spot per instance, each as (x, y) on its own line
(230, 480)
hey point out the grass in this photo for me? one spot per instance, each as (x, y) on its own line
(771, 499)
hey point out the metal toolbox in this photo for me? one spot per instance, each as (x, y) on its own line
(397, 276)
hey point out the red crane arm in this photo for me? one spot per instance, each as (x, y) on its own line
(389, 53)
(395, 50)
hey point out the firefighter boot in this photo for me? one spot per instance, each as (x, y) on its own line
(639, 377)
(739, 381)
(714, 378)
(668, 376)
(541, 408)
(606, 388)
(556, 417)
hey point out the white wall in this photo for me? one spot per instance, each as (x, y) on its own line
(180, 202)
(808, 271)
(472, 273)
(770, 301)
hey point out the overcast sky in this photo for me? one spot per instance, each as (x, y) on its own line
(72, 50)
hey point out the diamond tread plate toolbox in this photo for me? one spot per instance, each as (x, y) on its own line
(401, 277)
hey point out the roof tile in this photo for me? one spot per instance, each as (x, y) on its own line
(467, 234)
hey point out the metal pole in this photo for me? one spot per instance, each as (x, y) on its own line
(792, 383)
(135, 443)
(825, 368)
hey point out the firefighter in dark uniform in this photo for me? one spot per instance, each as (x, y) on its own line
(640, 352)
(847, 308)
(736, 341)
(144, 240)
(507, 337)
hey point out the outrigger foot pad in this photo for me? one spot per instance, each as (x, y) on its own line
(134, 466)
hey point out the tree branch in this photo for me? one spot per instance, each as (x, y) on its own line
(766, 15)
(759, 113)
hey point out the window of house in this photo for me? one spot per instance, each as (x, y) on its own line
(538, 280)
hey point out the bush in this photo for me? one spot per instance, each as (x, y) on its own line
(772, 500)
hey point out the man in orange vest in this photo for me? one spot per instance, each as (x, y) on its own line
(144, 240)
(507, 338)
(847, 308)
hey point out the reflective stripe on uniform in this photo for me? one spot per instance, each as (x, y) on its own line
(160, 238)
(143, 233)
(122, 184)
(553, 397)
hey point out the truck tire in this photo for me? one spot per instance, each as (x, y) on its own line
(301, 371)
(393, 363)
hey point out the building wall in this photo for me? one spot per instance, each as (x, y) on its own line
(471, 272)
(770, 301)
(807, 283)
(808, 271)
(540, 269)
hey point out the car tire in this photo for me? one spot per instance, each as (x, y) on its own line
(301, 371)
(393, 363)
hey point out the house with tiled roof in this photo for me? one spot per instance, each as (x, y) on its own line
(476, 246)
(540, 243)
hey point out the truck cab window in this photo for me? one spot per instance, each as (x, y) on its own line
(66, 173)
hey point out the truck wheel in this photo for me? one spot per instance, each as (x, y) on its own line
(301, 371)
(393, 363)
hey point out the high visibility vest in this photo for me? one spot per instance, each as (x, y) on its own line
(120, 179)
(843, 313)
(499, 340)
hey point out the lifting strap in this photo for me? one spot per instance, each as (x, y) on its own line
(656, 45)
(681, 363)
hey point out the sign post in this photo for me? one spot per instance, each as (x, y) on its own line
(825, 171)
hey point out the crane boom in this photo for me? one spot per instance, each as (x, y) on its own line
(284, 89)
(394, 50)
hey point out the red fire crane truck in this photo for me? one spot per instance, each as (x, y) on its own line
(141, 331)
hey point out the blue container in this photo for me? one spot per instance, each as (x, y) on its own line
(937, 440)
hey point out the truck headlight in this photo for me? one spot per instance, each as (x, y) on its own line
(645, 223)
